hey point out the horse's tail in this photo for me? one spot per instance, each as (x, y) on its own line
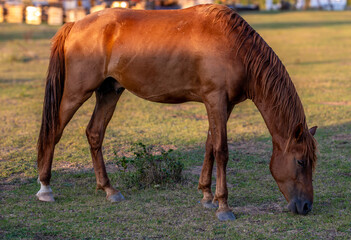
(53, 90)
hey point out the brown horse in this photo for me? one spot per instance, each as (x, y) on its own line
(207, 54)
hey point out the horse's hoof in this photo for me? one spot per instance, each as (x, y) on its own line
(45, 196)
(225, 216)
(209, 204)
(116, 197)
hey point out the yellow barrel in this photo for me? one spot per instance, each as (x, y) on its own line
(55, 16)
(1, 14)
(33, 15)
(14, 13)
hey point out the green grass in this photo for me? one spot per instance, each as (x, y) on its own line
(314, 46)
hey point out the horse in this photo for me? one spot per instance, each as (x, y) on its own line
(207, 54)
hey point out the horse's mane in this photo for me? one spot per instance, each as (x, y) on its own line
(267, 75)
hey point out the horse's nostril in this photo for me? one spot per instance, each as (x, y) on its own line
(306, 207)
(300, 207)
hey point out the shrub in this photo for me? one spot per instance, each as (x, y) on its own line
(147, 169)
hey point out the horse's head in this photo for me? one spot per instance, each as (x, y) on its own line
(292, 169)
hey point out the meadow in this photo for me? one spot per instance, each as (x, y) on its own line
(314, 47)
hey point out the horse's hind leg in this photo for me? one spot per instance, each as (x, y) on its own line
(69, 105)
(106, 99)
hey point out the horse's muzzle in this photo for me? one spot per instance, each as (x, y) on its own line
(300, 206)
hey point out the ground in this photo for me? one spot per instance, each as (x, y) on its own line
(315, 48)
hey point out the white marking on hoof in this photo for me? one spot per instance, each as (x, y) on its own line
(116, 197)
(45, 194)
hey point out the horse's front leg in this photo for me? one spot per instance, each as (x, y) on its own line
(207, 168)
(217, 110)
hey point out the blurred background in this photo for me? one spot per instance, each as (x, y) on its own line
(56, 12)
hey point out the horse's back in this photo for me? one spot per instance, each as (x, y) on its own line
(158, 55)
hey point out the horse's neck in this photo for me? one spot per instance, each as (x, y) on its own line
(276, 129)
(270, 87)
(277, 117)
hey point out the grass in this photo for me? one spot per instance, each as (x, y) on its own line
(314, 46)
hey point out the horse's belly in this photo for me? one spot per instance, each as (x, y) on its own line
(158, 89)
(157, 78)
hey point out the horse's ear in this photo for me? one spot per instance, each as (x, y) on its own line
(313, 130)
(298, 132)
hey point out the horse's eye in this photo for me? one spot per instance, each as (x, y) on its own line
(301, 163)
